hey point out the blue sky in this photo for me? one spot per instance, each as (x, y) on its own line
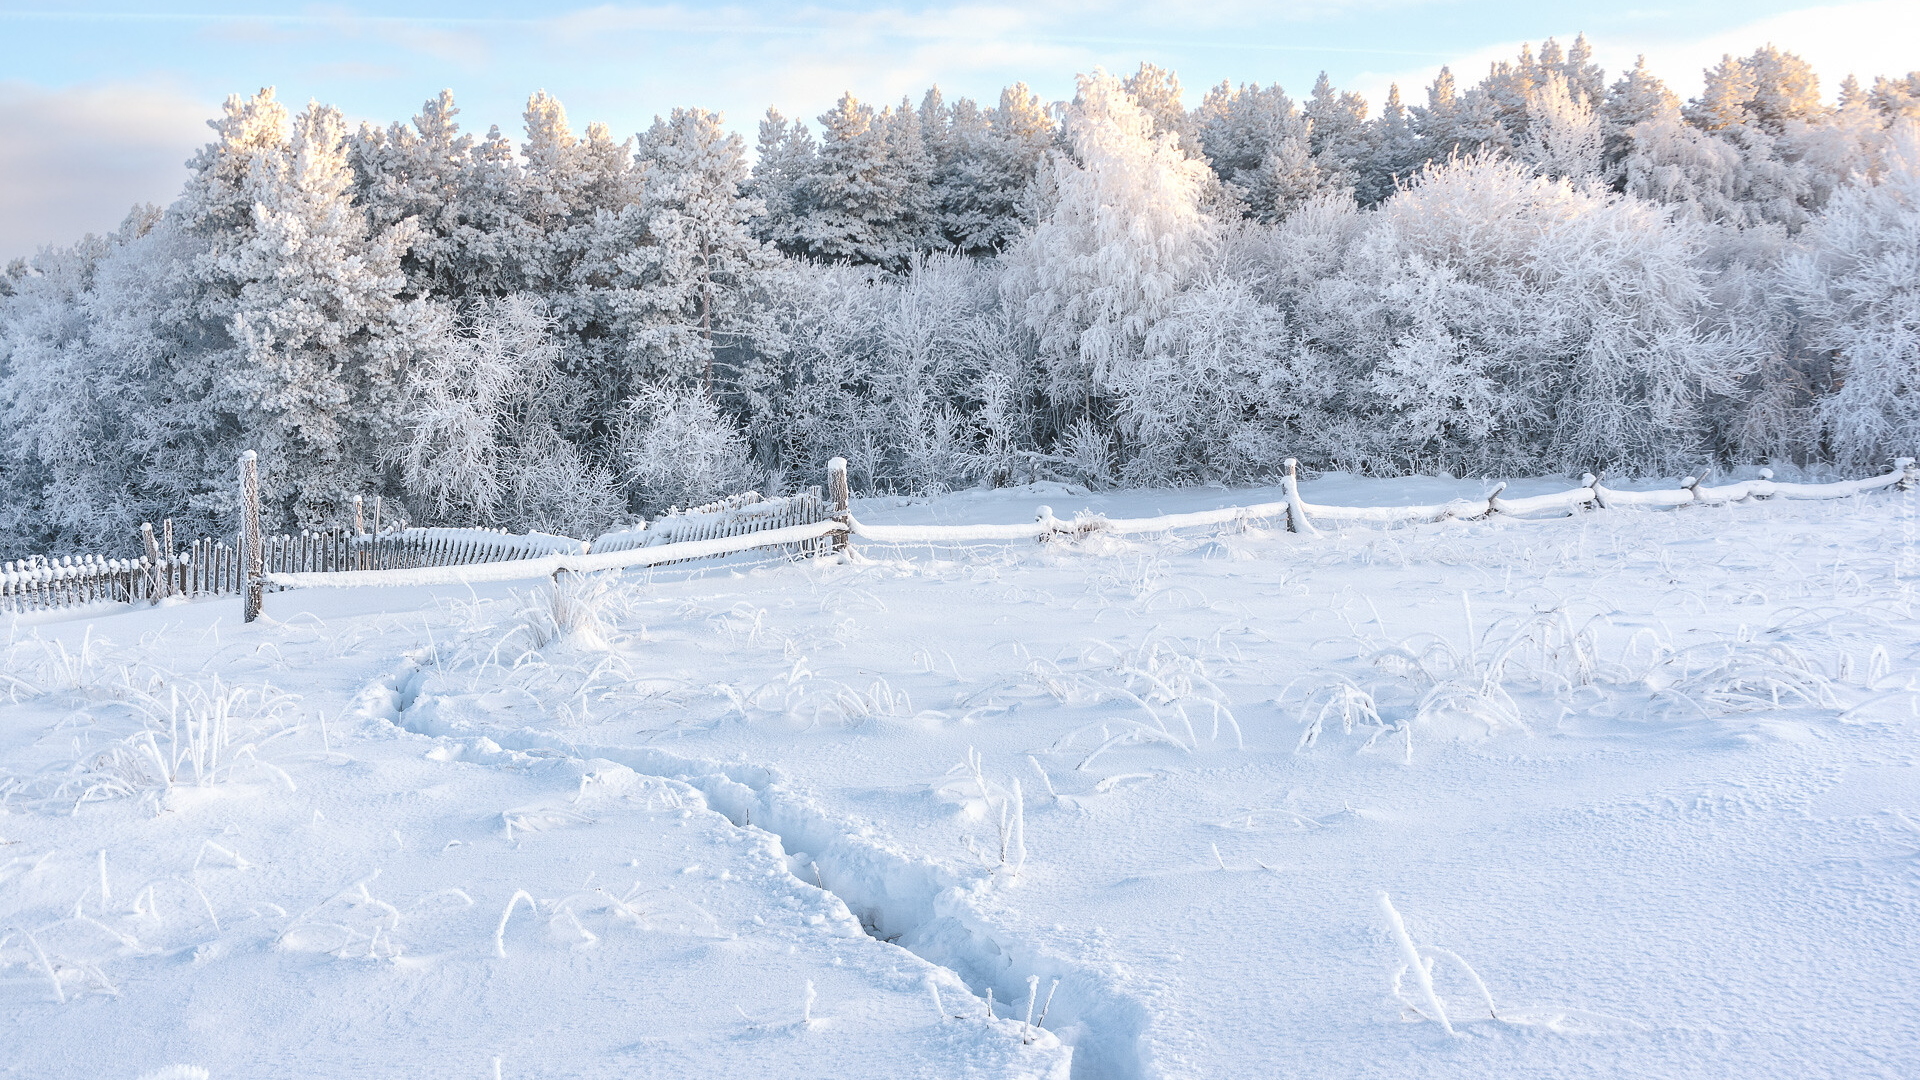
(102, 100)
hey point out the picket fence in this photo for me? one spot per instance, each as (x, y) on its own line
(209, 567)
(804, 524)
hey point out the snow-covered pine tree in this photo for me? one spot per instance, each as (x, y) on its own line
(784, 158)
(1638, 97)
(580, 201)
(1896, 99)
(1394, 154)
(1122, 236)
(700, 257)
(288, 336)
(1258, 143)
(983, 188)
(1339, 138)
(864, 201)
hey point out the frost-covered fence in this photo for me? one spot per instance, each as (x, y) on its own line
(42, 581)
(801, 524)
(798, 524)
(1300, 514)
(209, 566)
(736, 515)
(407, 549)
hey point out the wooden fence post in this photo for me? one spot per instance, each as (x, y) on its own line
(155, 590)
(1588, 480)
(837, 482)
(251, 561)
(1296, 508)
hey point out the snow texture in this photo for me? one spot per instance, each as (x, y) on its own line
(1603, 794)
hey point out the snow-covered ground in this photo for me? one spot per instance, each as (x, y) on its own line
(1264, 805)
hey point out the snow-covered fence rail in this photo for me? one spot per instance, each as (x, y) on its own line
(736, 515)
(791, 536)
(1300, 514)
(210, 566)
(797, 524)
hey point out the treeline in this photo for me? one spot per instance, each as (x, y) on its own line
(1545, 271)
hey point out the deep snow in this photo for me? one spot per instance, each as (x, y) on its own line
(1651, 776)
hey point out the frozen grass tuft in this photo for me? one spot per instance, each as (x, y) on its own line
(191, 734)
(577, 610)
(1424, 1002)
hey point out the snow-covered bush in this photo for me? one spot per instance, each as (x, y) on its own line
(678, 450)
(1859, 281)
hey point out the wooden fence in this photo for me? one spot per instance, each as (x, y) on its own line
(805, 524)
(210, 567)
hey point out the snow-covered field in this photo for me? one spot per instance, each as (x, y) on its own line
(1622, 794)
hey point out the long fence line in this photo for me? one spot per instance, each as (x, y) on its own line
(804, 524)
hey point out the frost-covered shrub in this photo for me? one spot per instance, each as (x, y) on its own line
(474, 412)
(1522, 323)
(678, 450)
(1859, 280)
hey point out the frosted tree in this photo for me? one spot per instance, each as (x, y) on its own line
(477, 395)
(286, 339)
(1846, 142)
(868, 197)
(927, 366)
(1438, 123)
(1896, 98)
(1339, 138)
(1235, 126)
(911, 164)
(580, 200)
(983, 186)
(460, 194)
(1503, 95)
(1124, 233)
(1766, 90)
(1453, 124)
(1157, 91)
(1196, 408)
(1526, 324)
(783, 159)
(1565, 138)
(1259, 144)
(1395, 153)
(1585, 80)
(700, 255)
(1637, 98)
(1856, 284)
(76, 454)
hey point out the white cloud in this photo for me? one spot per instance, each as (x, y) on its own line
(74, 160)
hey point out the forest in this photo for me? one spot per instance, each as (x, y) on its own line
(1544, 271)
